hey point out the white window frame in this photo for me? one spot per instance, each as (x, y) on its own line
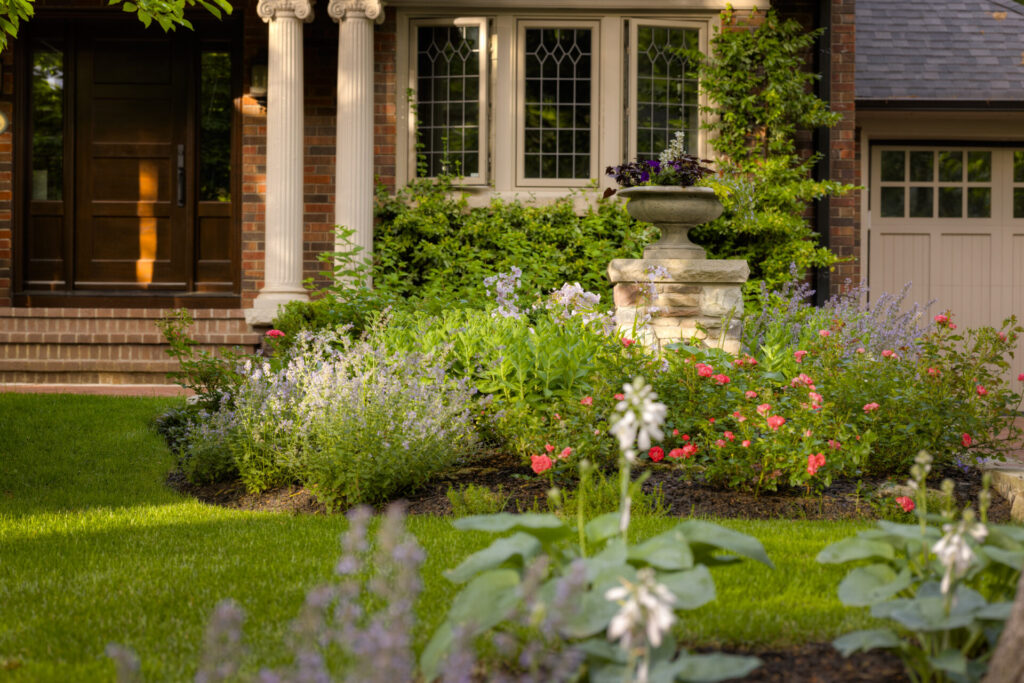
(595, 101)
(703, 29)
(612, 132)
(483, 133)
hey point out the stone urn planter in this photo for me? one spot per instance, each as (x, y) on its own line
(674, 210)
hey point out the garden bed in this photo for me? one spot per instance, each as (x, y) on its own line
(526, 491)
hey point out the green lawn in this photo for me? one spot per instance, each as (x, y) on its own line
(95, 549)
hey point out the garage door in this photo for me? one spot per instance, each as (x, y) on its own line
(951, 221)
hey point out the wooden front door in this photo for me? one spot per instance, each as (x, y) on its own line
(131, 227)
(129, 183)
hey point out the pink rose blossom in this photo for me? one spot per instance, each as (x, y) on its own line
(868, 407)
(685, 437)
(941, 319)
(597, 432)
(799, 355)
(834, 445)
(824, 333)
(656, 453)
(721, 379)
(764, 409)
(816, 397)
(557, 416)
(540, 463)
(730, 436)
(1001, 335)
(814, 463)
(627, 342)
(675, 432)
(753, 394)
(711, 420)
(966, 440)
(1020, 377)
(860, 349)
(720, 443)
(619, 397)
(745, 443)
(981, 390)
(275, 334)
(705, 370)
(952, 326)
(934, 372)
(808, 433)
(587, 401)
(906, 503)
(566, 452)
(677, 453)
(549, 448)
(776, 421)
(888, 353)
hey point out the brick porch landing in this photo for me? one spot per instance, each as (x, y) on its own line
(104, 346)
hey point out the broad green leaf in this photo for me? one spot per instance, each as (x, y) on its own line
(952, 661)
(435, 651)
(922, 614)
(487, 600)
(591, 616)
(705, 536)
(693, 588)
(519, 545)
(709, 668)
(668, 550)
(603, 527)
(862, 641)
(545, 527)
(601, 648)
(869, 585)
(855, 548)
(1014, 559)
(997, 611)
(609, 564)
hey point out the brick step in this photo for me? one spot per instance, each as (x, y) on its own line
(116, 326)
(125, 313)
(95, 351)
(248, 339)
(9, 377)
(147, 365)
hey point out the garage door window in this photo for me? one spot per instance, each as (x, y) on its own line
(1018, 184)
(952, 183)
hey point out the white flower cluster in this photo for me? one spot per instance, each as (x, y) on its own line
(676, 149)
(641, 417)
(646, 616)
(953, 551)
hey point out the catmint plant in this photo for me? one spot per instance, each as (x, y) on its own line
(945, 585)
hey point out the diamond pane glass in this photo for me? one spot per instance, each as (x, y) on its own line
(921, 202)
(216, 109)
(979, 202)
(894, 166)
(47, 122)
(951, 202)
(922, 166)
(951, 167)
(892, 202)
(979, 167)
(447, 100)
(666, 97)
(557, 102)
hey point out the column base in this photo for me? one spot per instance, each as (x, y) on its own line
(264, 308)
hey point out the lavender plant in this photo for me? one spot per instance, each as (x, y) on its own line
(626, 595)
(351, 421)
(947, 591)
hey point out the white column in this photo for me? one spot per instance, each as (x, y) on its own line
(353, 171)
(282, 278)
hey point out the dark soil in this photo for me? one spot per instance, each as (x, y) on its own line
(821, 663)
(683, 498)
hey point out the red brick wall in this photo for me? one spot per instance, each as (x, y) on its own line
(845, 211)
(6, 185)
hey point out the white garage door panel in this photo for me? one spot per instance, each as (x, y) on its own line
(963, 280)
(943, 218)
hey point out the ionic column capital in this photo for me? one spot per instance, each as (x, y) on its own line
(339, 10)
(282, 9)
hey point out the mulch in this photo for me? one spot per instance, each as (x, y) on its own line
(809, 663)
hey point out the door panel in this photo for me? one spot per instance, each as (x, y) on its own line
(132, 222)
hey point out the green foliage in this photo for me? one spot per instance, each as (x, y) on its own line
(476, 500)
(760, 94)
(211, 376)
(430, 244)
(947, 592)
(12, 13)
(170, 14)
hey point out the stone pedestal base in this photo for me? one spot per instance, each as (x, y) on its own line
(695, 294)
(264, 308)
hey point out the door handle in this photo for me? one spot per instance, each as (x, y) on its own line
(181, 175)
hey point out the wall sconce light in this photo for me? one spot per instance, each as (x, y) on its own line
(258, 82)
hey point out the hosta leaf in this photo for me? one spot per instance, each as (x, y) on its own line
(693, 588)
(704, 537)
(435, 651)
(519, 545)
(952, 661)
(708, 668)
(544, 527)
(856, 548)
(487, 600)
(602, 527)
(862, 641)
(869, 585)
(1014, 559)
(591, 616)
(997, 611)
(668, 551)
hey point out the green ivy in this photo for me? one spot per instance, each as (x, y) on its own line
(761, 94)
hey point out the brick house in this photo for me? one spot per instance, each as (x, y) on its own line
(207, 169)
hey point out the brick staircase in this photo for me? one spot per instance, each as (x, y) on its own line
(113, 346)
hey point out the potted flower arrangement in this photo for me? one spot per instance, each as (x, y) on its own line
(663, 192)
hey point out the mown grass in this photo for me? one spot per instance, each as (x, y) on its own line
(95, 549)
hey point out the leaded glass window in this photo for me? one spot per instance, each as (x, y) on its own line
(557, 104)
(449, 88)
(666, 98)
(47, 121)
